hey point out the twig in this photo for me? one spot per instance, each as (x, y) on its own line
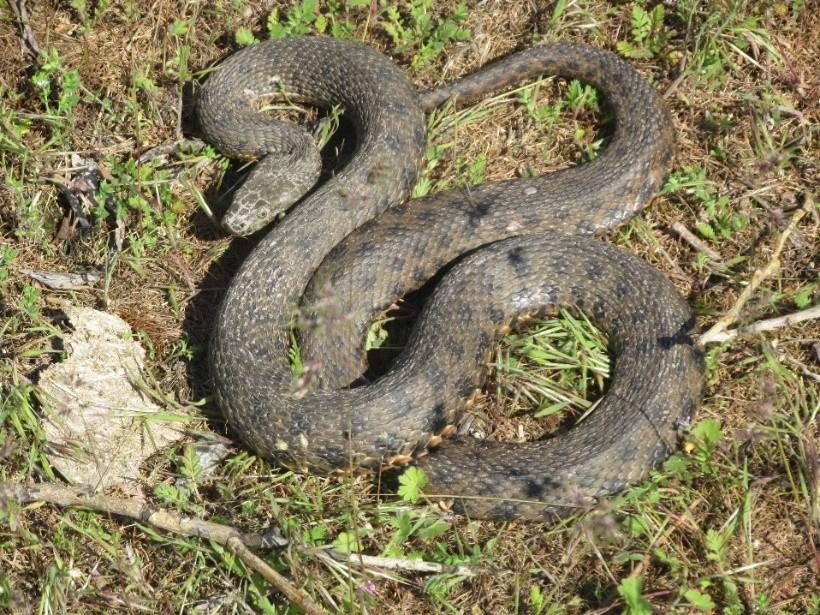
(171, 147)
(398, 563)
(719, 328)
(18, 7)
(803, 368)
(770, 324)
(231, 538)
(234, 540)
(678, 80)
(693, 240)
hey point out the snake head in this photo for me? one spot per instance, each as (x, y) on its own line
(272, 187)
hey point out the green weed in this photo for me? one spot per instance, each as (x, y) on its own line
(422, 33)
(30, 302)
(545, 115)
(630, 591)
(411, 484)
(306, 16)
(649, 36)
(58, 87)
(724, 32)
(19, 416)
(177, 65)
(141, 195)
(91, 12)
(13, 127)
(470, 173)
(245, 37)
(719, 219)
(574, 16)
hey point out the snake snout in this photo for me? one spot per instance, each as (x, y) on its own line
(274, 185)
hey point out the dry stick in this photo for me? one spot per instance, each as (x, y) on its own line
(170, 147)
(231, 538)
(18, 7)
(803, 369)
(397, 563)
(719, 328)
(770, 324)
(689, 237)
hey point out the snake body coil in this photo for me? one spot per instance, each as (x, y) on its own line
(534, 259)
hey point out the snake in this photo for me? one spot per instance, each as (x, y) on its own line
(345, 247)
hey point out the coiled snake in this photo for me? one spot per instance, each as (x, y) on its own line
(535, 257)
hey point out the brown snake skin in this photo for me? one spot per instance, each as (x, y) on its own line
(657, 373)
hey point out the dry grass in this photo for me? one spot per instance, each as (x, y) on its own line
(735, 519)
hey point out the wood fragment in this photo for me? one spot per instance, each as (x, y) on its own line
(693, 240)
(58, 280)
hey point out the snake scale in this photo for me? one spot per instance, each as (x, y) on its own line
(353, 245)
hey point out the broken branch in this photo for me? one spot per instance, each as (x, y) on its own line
(231, 538)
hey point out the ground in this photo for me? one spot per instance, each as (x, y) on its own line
(731, 523)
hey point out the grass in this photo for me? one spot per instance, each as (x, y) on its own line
(729, 524)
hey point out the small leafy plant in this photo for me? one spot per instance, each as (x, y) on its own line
(422, 33)
(718, 218)
(649, 36)
(58, 88)
(306, 16)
